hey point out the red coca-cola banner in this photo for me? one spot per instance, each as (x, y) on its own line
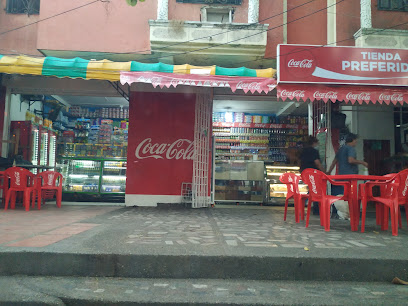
(353, 94)
(251, 84)
(342, 65)
(160, 150)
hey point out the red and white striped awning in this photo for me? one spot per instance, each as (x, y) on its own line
(247, 84)
(347, 93)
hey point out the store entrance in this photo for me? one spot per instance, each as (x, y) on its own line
(82, 137)
(256, 140)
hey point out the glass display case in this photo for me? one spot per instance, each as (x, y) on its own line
(239, 181)
(274, 188)
(52, 149)
(94, 176)
(44, 147)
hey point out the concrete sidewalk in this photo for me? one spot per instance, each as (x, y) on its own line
(223, 230)
(236, 255)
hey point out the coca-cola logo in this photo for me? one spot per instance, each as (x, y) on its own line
(404, 192)
(50, 179)
(313, 183)
(396, 97)
(254, 86)
(179, 149)
(306, 63)
(332, 95)
(292, 94)
(366, 96)
(17, 177)
(300, 63)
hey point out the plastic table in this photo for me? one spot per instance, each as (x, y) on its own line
(353, 196)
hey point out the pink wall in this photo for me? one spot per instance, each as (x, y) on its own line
(269, 14)
(310, 30)
(102, 26)
(22, 41)
(347, 22)
(192, 12)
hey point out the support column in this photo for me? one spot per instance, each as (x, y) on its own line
(331, 22)
(162, 9)
(365, 14)
(253, 11)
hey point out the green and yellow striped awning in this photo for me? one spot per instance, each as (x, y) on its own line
(108, 70)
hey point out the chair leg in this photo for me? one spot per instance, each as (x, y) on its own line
(384, 225)
(7, 200)
(321, 213)
(59, 198)
(27, 199)
(302, 201)
(394, 219)
(326, 210)
(284, 215)
(377, 214)
(309, 205)
(297, 208)
(13, 200)
(363, 214)
(399, 217)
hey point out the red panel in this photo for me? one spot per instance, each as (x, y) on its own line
(161, 134)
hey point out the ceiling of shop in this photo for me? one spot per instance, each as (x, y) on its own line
(93, 101)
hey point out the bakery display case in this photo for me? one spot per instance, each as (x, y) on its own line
(239, 181)
(274, 188)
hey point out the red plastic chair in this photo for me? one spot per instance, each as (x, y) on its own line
(292, 183)
(382, 211)
(49, 183)
(18, 179)
(3, 186)
(317, 183)
(389, 199)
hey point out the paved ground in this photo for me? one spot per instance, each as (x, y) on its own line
(251, 255)
(219, 230)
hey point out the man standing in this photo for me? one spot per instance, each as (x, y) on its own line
(348, 164)
(347, 157)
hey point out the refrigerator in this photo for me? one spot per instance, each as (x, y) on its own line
(25, 140)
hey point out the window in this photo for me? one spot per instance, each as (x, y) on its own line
(217, 14)
(393, 5)
(29, 7)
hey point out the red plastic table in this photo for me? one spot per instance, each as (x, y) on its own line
(353, 196)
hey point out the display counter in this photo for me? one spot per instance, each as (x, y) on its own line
(239, 181)
(274, 188)
(94, 176)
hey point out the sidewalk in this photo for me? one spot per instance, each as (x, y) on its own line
(232, 255)
(223, 230)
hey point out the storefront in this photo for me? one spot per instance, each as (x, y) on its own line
(367, 85)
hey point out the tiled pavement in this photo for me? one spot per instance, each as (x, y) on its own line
(221, 228)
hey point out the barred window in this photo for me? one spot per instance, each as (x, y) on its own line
(393, 5)
(29, 7)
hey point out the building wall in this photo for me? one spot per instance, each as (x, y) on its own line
(23, 37)
(103, 26)
(271, 12)
(310, 30)
(386, 19)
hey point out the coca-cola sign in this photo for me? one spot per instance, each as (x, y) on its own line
(362, 96)
(160, 143)
(342, 65)
(395, 97)
(354, 94)
(331, 95)
(292, 94)
(252, 87)
(305, 63)
(178, 149)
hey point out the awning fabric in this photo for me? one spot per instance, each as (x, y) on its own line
(251, 84)
(108, 70)
(347, 93)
